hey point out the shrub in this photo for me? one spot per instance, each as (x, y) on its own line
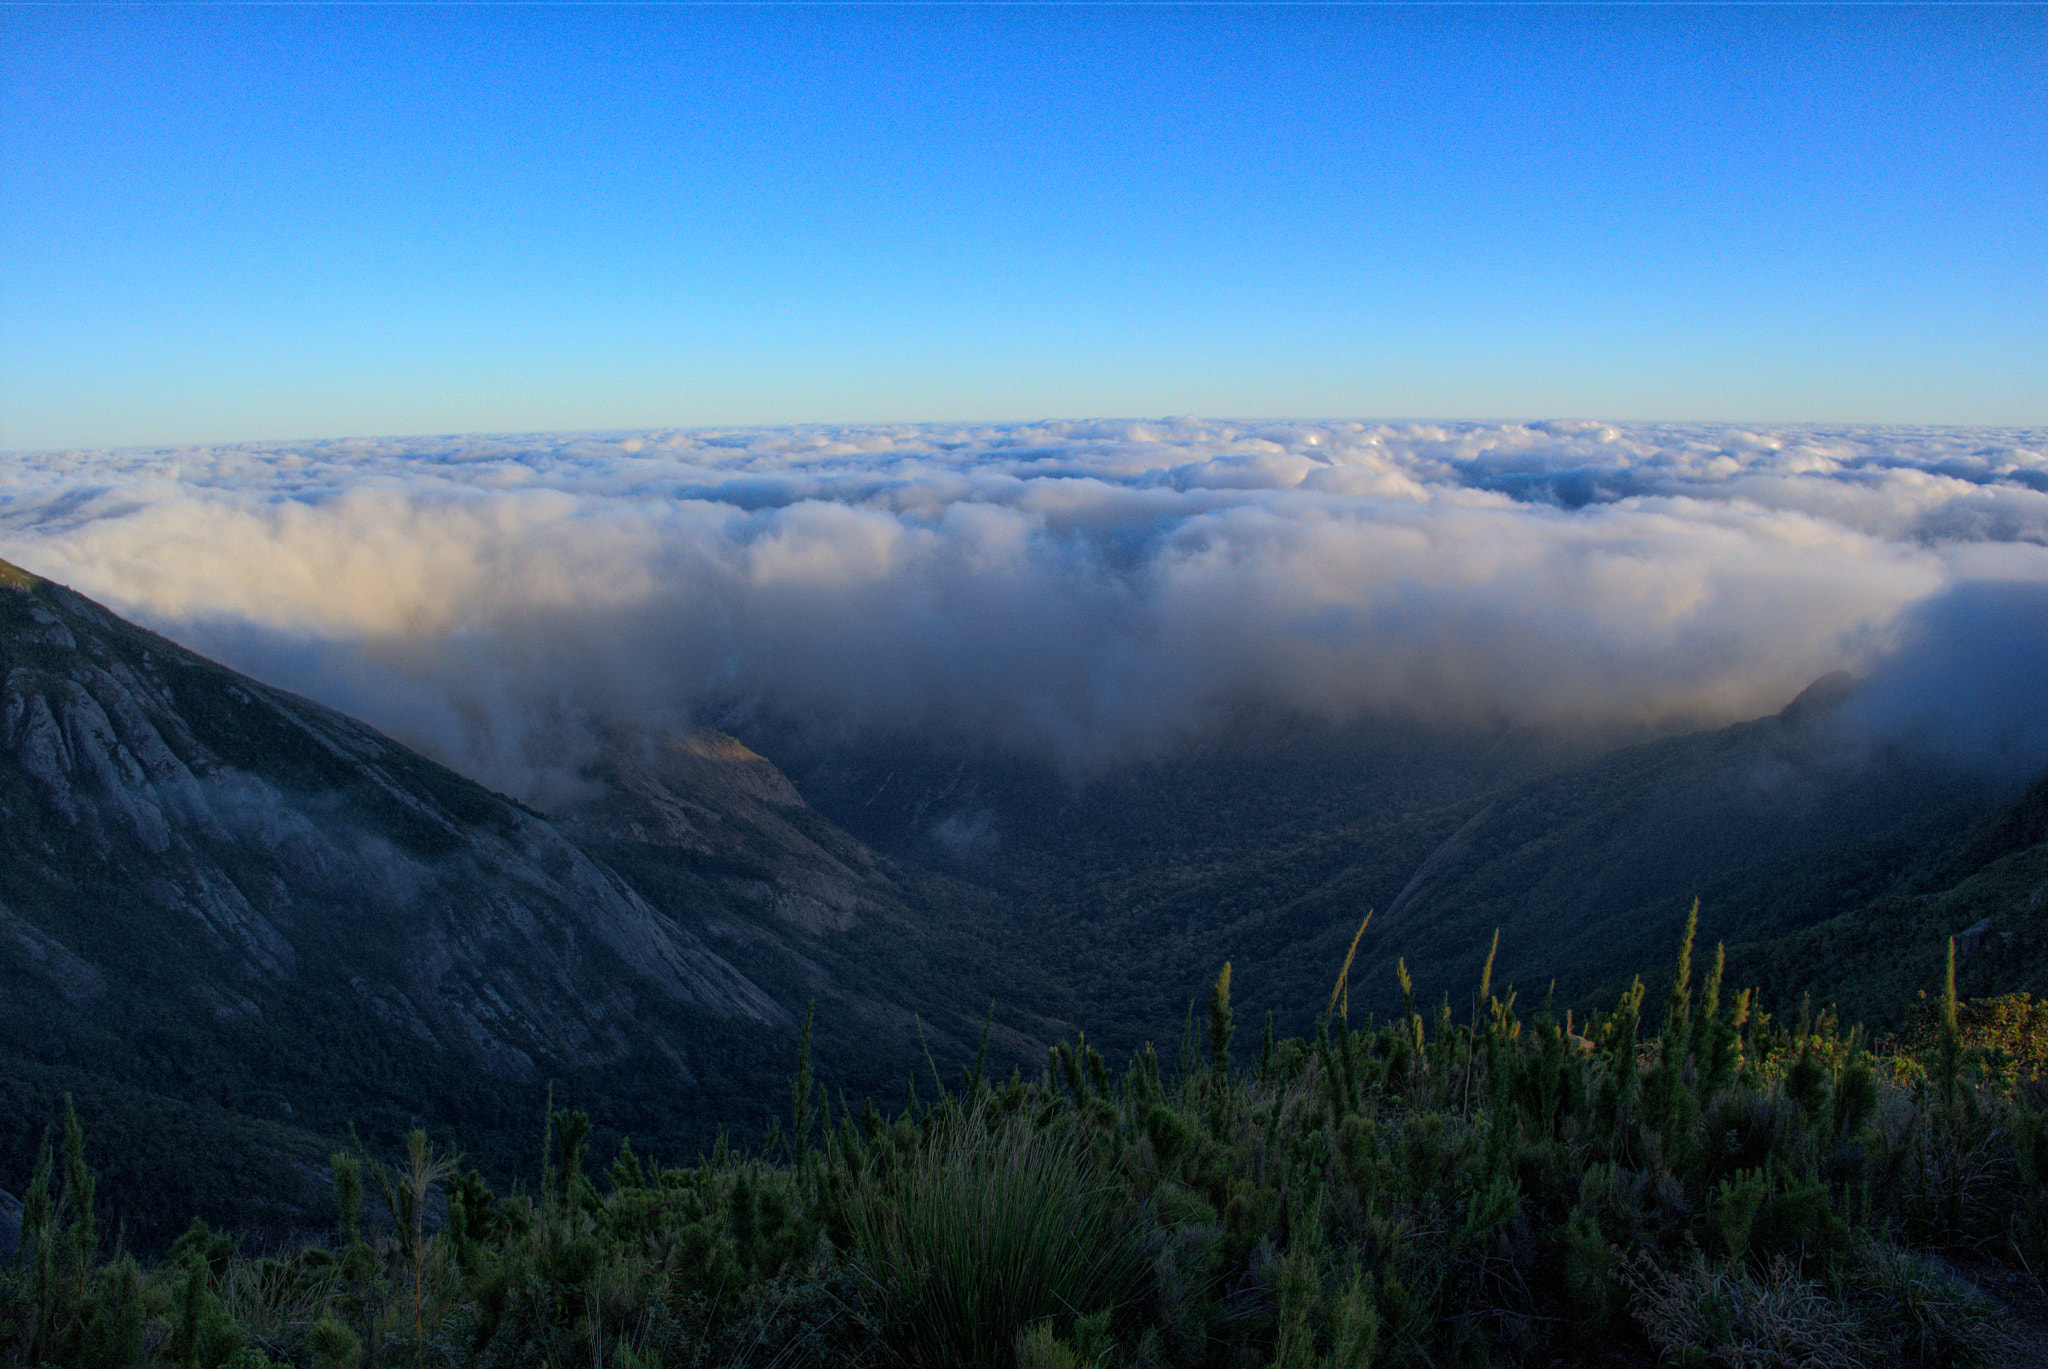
(1731, 1317)
(991, 1228)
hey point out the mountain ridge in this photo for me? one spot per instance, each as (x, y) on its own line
(224, 893)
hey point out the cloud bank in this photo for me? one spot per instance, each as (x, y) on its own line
(1084, 589)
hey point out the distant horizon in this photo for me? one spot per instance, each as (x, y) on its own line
(1532, 421)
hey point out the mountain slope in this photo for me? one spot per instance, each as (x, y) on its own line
(1146, 880)
(264, 829)
(227, 904)
(899, 960)
(228, 894)
(1987, 888)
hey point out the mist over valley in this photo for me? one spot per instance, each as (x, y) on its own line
(907, 722)
(1078, 593)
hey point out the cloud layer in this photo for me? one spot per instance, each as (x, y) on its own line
(1084, 588)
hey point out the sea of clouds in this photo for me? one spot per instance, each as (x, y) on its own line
(1087, 590)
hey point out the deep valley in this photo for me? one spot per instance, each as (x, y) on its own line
(233, 915)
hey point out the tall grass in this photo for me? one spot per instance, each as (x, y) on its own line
(990, 1227)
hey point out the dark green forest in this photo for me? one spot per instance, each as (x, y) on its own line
(1472, 1179)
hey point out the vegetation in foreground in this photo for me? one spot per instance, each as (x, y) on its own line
(1457, 1186)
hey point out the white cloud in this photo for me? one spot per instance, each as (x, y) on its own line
(1088, 587)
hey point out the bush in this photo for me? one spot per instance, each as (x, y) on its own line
(992, 1227)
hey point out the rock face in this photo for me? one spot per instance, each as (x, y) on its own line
(182, 839)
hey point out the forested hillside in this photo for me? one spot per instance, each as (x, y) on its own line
(1266, 850)
(1988, 888)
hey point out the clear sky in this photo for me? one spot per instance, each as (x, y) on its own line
(238, 222)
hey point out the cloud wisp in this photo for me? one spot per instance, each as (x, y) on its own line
(1088, 590)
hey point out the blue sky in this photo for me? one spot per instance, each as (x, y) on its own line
(223, 223)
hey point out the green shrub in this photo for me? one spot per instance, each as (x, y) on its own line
(991, 1228)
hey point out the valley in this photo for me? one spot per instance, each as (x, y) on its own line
(231, 914)
(1584, 852)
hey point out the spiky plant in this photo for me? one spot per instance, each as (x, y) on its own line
(991, 1227)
